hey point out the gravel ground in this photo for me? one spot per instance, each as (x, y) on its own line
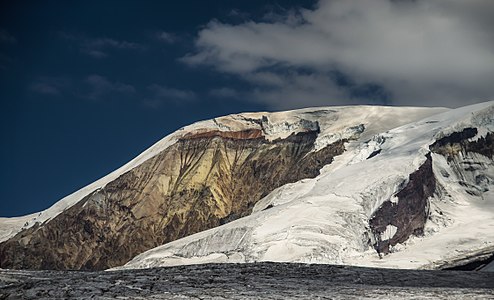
(248, 281)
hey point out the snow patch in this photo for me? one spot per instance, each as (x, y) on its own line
(389, 232)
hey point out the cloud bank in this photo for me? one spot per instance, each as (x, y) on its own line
(435, 52)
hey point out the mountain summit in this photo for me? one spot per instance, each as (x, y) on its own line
(398, 187)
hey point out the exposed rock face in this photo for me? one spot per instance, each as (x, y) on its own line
(430, 178)
(395, 222)
(450, 146)
(470, 161)
(206, 179)
(408, 215)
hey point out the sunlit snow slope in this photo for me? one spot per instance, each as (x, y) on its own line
(333, 121)
(200, 177)
(419, 195)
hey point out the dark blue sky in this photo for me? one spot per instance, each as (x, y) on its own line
(69, 117)
(85, 86)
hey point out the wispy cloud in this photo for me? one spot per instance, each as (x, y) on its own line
(224, 92)
(101, 47)
(51, 86)
(5, 60)
(6, 37)
(400, 52)
(160, 94)
(237, 14)
(45, 88)
(166, 37)
(93, 87)
(101, 87)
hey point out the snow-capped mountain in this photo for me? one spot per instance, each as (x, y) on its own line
(419, 195)
(363, 185)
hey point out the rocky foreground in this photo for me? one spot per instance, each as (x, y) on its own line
(248, 281)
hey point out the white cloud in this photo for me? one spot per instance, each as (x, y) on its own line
(437, 52)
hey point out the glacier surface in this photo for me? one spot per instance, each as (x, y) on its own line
(325, 219)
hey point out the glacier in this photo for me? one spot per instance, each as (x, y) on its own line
(345, 214)
(332, 121)
(326, 219)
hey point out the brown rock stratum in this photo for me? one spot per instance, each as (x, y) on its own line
(205, 179)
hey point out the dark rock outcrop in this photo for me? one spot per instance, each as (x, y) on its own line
(410, 212)
(204, 180)
(476, 264)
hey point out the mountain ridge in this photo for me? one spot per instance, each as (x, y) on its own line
(335, 228)
(225, 169)
(9, 226)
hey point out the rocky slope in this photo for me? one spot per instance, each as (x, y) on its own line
(416, 196)
(200, 177)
